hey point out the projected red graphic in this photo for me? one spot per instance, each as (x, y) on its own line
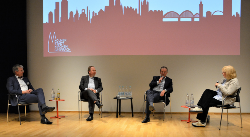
(125, 31)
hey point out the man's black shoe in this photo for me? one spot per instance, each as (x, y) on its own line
(89, 118)
(98, 104)
(151, 108)
(45, 121)
(47, 109)
(146, 120)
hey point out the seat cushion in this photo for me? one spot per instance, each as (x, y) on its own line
(226, 106)
(84, 100)
(23, 103)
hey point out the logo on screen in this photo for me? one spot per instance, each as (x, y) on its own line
(57, 45)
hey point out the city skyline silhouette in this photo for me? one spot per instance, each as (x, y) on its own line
(119, 30)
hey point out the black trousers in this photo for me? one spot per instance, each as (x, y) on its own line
(205, 102)
(91, 97)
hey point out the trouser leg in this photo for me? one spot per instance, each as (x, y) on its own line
(36, 96)
(152, 96)
(91, 96)
(205, 102)
(206, 98)
(147, 109)
(91, 106)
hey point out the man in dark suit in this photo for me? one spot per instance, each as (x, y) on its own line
(90, 87)
(159, 86)
(25, 92)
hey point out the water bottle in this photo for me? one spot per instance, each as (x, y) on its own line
(58, 94)
(122, 93)
(53, 94)
(126, 91)
(187, 100)
(192, 100)
(130, 91)
(119, 91)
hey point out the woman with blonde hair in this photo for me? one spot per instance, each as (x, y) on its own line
(209, 98)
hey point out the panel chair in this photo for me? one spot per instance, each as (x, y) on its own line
(163, 100)
(19, 104)
(237, 96)
(85, 100)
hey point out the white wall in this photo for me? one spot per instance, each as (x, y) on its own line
(190, 74)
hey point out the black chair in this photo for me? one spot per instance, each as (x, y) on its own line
(162, 100)
(19, 104)
(237, 96)
(85, 100)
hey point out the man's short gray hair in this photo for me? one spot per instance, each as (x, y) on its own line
(15, 67)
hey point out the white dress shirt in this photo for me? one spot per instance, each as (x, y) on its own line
(160, 86)
(91, 83)
(22, 84)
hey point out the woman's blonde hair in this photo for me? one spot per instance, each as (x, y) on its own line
(230, 72)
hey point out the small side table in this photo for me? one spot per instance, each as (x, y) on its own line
(189, 111)
(119, 105)
(57, 116)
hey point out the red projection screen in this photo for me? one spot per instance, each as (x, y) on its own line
(141, 27)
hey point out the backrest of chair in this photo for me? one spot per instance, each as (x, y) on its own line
(238, 95)
(12, 99)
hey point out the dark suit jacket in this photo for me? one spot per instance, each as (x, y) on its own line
(85, 81)
(168, 85)
(13, 87)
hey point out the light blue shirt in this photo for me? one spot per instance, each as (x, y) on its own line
(219, 94)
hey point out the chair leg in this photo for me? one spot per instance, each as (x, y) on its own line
(25, 112)
(164, 111)
(227, 117)
(153, 111)
(78, 109)
(221, 118)
(101, 107)
(19, 114)
(170, 108)
(240, 115)
(143, 108)
(81, 109)
(8, 112)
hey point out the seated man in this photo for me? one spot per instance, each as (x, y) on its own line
(90, 87)
(159, 86)
(26, 93)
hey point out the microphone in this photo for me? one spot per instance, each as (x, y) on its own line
(162, 78)
(217, 82)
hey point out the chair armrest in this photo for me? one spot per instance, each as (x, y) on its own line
(165, 97)
(100, 94)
